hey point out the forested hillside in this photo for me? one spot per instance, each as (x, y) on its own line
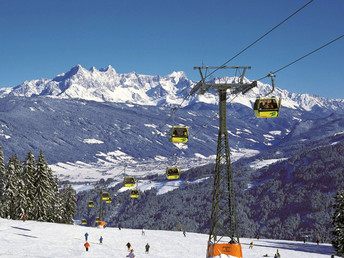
(287, 200)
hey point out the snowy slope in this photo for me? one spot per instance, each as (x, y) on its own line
(37, 239)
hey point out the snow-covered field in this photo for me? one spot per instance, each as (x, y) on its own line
(38, 239)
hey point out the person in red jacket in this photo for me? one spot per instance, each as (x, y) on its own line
(87, 245)
(23, 217)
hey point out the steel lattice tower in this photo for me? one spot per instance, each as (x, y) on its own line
(223, 220)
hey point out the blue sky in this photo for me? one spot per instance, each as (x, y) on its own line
(43, 38)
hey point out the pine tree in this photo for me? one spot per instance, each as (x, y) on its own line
(57, 204)
(21, 200)
(69, 200)
(11, 188)
(29, 169)
(338, 224)
(2, 183)
(43, 194)
(63, 198)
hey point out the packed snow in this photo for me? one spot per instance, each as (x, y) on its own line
(93, 141)
(258, 164)
(41, 239)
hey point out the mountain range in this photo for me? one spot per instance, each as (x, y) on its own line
(99, 126)
(98, 121)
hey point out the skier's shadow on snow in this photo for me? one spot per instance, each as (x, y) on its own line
(21, 228)
(317, 249)
(27, 235)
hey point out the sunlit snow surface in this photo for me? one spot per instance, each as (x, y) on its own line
(263, 163)
(37, 239)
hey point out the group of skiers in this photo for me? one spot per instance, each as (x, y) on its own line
(277, 254)
(130, 255)
(87, 244)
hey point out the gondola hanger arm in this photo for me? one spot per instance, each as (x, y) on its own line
(271, 75)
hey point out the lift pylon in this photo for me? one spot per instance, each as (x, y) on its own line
(223, 235)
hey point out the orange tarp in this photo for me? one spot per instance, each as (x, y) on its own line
(227, 249)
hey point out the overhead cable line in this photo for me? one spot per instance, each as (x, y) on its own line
(259, 38)
(282, 68)
(207, 76)
(188, 95)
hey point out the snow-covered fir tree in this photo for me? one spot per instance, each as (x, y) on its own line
(54, 193)
(11, 188)
(43, 195)
(29, 168)
(57, 203)
(338, 224)
(69, 201)
(21, 199)
(2, 182)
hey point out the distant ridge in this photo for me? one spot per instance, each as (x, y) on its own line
(106, 85)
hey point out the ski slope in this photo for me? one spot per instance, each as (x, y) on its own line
(40, 239)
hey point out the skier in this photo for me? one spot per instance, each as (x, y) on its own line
(317, 241)
(101, 240)
(23, 217)
(119, 226)
(143, 232)
(277, 255)
(147, 248)
(184, 232)
(131, 254)
(251, 245)
(128, 245)
(86, 236)
(87, 245)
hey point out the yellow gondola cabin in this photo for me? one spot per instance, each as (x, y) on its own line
(90, 204)
(129, 181)
(266, 108)
(172, 173)
(83, 222)
(105, 196)
(134, 193)
(179, 134)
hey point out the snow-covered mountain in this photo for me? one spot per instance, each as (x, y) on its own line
(89, 123)
(106, 85)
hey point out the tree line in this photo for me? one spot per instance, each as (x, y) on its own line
(29, 188)
(291, 199)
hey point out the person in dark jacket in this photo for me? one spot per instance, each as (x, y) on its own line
(147, 248)
(128, 245)
(101, 240)
(86, 236)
